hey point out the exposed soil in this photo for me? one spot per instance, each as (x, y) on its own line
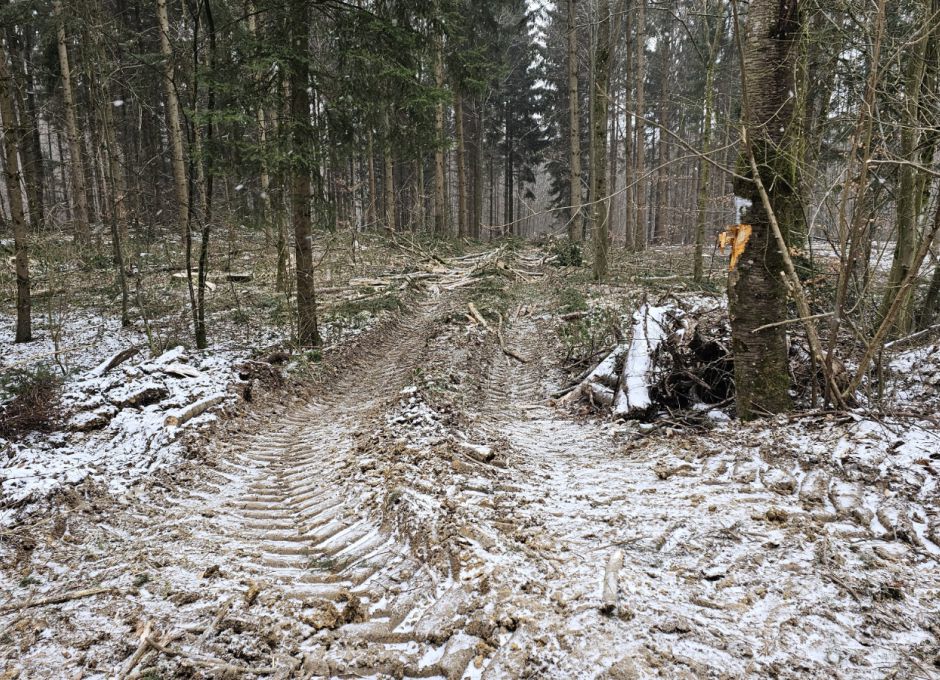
(427, 512)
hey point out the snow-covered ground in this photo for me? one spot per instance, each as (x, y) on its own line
(114, 427)
(430, 512)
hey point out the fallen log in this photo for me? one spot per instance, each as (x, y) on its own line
(633, 393)
(114, 361)
(239, 277)
(604, 373)
(213, 665)
(179, 370)
(210, 286)
(189, 412)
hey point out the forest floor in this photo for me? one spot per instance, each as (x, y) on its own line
(421, 508)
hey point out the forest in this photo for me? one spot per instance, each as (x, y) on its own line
(469, 339)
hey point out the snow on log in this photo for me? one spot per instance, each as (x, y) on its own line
(604, 375)
(648, 332)
(187, 413)
(178, 370)
(600, 394)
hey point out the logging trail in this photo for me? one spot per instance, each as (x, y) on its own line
(428, 512)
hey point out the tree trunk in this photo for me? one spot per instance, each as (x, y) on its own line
(907, 208)
(173, 121)
(118, 195)
(704, 168)
(612, 157)
(602, 59)
(371, 213)
(663, 171)
(462, 230)
(478, 179)
(629, 142)
(205, 137)
(756, 291)
(30, 147)
(388, 182)
(639, 237)
(11, 140)
(113, 179)
(76, 167)
(440, 207)
(308, 334)
(575, 225)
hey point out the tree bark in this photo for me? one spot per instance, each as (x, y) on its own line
(308, 334)
(173, 121)
(599, 118)
(641, 223)
(12, 139)
(756, 291)
(907, 206)
(30, 147)
(575, 225)
(462, 230)
(705, 168)
(371, 213)
(477, 164)
(440, 207)
(629, 142)
(76, 167)
(663, 170)
(388, 182)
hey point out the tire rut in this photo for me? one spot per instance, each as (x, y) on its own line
(280, 554)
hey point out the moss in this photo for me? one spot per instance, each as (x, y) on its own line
(375, 305)
(571, 300)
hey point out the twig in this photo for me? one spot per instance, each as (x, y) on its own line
(801, 319)
(502, 343)
(475, 313)
(139, 653)
(207, 662)
(912, 337)
(57, 599)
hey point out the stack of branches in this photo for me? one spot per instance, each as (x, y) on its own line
(446, 273)
(693, 364)
(672, 359)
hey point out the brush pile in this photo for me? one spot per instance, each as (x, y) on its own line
(674, 358)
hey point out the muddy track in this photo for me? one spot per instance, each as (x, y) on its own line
(283, 529)
(732, 566)
(459, 528)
